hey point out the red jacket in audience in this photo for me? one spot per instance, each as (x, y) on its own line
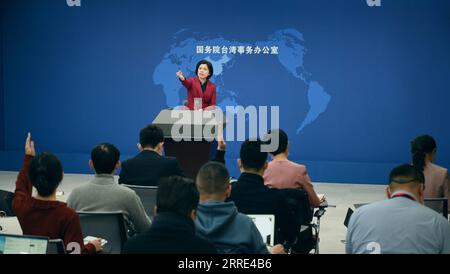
(46, 218)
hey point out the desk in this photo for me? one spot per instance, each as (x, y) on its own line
(10, 225)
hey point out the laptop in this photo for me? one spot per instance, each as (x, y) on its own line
(266, 226)
(347, 217)
(350, 212)
(23, 244)
(359, 205)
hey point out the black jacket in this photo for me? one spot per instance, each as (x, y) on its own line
(169, 233)
(251, 196)
(147, 168)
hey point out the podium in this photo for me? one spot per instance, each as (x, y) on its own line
(189, 136)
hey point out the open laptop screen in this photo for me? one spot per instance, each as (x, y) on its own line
(20, 244)
(347, 217)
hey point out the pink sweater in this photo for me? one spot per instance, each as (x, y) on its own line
(287, 174)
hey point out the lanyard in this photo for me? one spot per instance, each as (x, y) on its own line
(403, 195)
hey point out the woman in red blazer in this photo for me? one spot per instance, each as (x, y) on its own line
(200, 88)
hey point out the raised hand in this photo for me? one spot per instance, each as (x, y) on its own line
(180, 75)
(29, 146)
(221, 145)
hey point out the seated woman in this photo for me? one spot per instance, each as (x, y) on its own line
(437, 181)
(282, 173)
(43, 215)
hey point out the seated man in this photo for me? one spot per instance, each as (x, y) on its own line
(149, 165)
(104, 194)
(219, 221)
(173, 229)
(400, 224)
(251, 196)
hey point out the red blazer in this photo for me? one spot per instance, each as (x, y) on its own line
(195, 91)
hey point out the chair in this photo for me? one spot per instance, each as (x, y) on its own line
(56, 246)
(440, 205)
(106, 225)
(306, 240)
(6, 198)
(147, 194)
(266, 226)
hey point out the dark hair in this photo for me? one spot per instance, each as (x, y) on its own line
(213, 178)
(420, 146)
(105, 157)
(45, 173)
(282, 140)
(406, 174)
(208, 64)
(151, 136)
(251, 155)
(177, 195)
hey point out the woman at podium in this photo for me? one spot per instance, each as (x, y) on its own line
(201, 91)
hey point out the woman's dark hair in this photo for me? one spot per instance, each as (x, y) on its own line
(207, 63)
(45, 173)
(420, 146)
(282, 140)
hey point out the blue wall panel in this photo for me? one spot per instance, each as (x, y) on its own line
(354, 84)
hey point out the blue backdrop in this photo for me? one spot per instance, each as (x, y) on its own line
(354, 83)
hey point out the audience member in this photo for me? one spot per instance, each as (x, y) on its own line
(219, 221)
(437, 180)
(400, 224)
(149, 165)
(251, 196)
(43, 215)
(173, 229)
(282, 173)
(104, 194)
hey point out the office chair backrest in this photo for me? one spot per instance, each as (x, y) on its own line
(106, 225)
(6, 198)
(440, 205)
(56, 246)
(147, 195)
(299, 202)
